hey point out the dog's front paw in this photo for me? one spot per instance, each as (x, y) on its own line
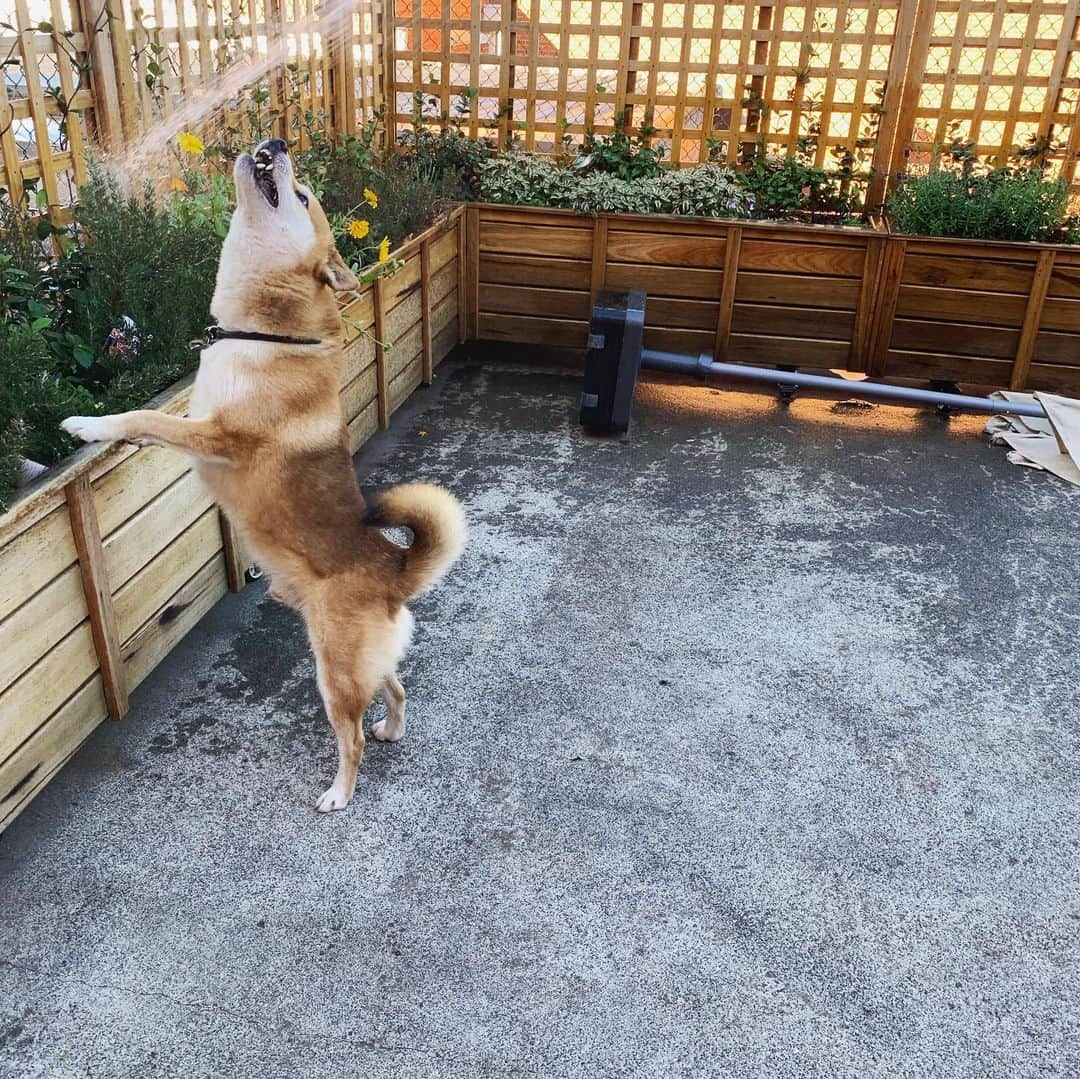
(93, 428)
(331, 801)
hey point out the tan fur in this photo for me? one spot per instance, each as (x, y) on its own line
(269, 441)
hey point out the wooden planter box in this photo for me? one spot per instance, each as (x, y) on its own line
(111, 558)
(784, 294)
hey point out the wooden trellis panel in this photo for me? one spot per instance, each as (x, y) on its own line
(41, 68)
(734, 73)
(1000, 74)
(126, 65)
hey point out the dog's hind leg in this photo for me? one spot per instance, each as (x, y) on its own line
(393, 727)
(346, 699)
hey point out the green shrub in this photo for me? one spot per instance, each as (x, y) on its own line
(1000, 204)
(33, 401)
(524, 180)
(790, 187)
(437, 151)
(140, 284)
(621, 154)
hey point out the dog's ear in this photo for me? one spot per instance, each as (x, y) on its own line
(336, 274)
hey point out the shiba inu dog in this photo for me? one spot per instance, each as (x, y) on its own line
(268, 439)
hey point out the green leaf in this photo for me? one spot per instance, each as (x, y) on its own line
(83, 358)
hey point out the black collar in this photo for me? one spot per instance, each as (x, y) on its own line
(216, 333)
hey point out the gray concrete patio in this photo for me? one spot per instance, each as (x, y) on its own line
(746, 746)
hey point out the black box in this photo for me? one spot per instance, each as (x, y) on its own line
(613, 361)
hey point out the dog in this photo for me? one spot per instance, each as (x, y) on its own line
(268, 439)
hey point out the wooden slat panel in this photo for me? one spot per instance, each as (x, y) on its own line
(446, 339)
(788, 257)
(1057, 348)
(827, 292)
(953, 305)
(539, 302)
(542, 272)
(359, 354)
(99, 600)
(403, 319)
(40, 624)
(685, 283)
(962, 339)
(363, 425)
(1061, 315)
(979, 274)
(150, 530)
(404, 384)
(31, 699)
(444, 250)
(787, 351)
(23, 774)
(664, 249)
(359, 393)
(931, 365)
(443, 283)
(443, 316)
(34, 558)
(690, 342)
(405, 350)
(533, 331)
(145, 649)
(1055, 378)
(562, 242)
(359, 315)
(793, 322)
(681, 314)
(152, 586)
(1065, 280)
(125, 489)
(402, 283)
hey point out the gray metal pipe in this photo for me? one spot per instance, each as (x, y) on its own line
(704, 366)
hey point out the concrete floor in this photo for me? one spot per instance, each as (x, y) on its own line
(746, 746)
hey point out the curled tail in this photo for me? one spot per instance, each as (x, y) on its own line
(437, 522)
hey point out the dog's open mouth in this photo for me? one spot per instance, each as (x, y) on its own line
(264, 176)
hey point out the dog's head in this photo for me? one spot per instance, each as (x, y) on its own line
(279, 266)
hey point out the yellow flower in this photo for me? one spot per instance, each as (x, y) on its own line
(384, 249)
(176, 184)
(371, 198)
(189, 143)
(359, 229)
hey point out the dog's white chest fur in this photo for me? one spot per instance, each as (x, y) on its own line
(226, 377)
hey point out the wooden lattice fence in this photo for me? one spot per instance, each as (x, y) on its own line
(880, 84)
(81, 72)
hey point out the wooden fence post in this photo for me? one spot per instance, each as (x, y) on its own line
(862, 334)
(233, 548)
(896, 93)
(898, 123)
(726, 314)
(887, 289)
(96, 20)
(599, 257)
(99, 602)
(381, 386)
(426, 362)
(472, 271)
(462, 279)
(1029, 332)
(388, 60)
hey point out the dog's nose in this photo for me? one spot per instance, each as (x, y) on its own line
(278, 146)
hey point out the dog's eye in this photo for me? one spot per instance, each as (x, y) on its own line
(302, 197)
